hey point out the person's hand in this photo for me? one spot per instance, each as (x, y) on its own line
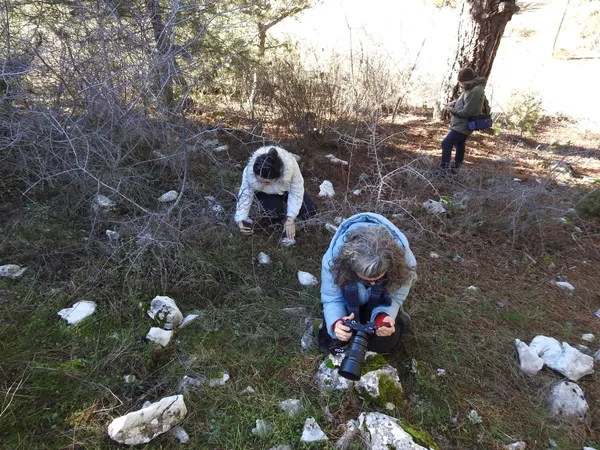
(450, 105)
(449, 108)
(387, 326)
(244, 229)
(289, 227)
(342, 332)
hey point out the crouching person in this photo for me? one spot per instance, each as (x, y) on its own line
(366, 274)
(272, 177)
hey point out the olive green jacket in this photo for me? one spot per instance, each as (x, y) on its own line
(469, 104)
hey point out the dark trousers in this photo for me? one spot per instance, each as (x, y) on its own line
(377, 344)
(457, 140)
(273, 206)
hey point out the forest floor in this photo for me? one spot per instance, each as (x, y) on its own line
(510, 230)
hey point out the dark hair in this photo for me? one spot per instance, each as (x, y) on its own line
(268, 165)
(370, 251)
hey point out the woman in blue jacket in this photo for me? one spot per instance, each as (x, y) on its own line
(366, 274)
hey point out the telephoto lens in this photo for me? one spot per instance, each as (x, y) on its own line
(354, 358)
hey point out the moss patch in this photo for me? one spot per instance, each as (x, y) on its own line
(420, 436)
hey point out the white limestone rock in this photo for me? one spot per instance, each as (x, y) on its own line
(113, 237)
(307, 279)
(312, 432)
(472, 288)
(263, 258)
(566, 399)
(167, 197)
(164, 309)
(79, 311)
(597, 314)
(327, 377)
(334, 160)
(433, 207)
(326, 189)
(292, 407)
(140, 427)
(588, 338)
(181, 435)
(189, 383)
(248, 391)
(369, 382)
(262, 429)
(129, 379)
(597, 355)
(308, 338)
(12, 271)
(287, 242)
(564, 285)
(519, 445)
(384, 432)
(356, 192)
(188, 319)
(160, 336)
(219, 381)
(529, 360)
(562, 357)
(331, 228)
(434, 255)
(104, 202)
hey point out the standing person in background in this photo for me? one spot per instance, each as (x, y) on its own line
(469, 104)
(366, 274)
(273, 177)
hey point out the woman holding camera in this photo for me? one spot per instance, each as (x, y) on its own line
(273, 177)
(366, 274)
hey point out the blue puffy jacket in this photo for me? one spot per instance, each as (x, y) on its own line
(334, 305)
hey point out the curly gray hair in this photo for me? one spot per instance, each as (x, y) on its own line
(370, 251)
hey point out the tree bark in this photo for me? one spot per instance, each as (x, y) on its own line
(164, 79)
(480, 29)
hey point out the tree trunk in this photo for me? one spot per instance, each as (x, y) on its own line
(164, 79)
(481, 25)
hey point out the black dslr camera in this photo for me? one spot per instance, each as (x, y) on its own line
(354, 357)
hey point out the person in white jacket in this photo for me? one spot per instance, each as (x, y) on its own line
(272, 176)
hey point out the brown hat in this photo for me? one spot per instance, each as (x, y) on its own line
(466, 74)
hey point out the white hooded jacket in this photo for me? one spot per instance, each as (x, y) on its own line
(290, 181)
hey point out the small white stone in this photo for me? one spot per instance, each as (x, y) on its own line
(328, 378)
(180, 434)
(588, 337)
(263, 258)
(11, 270)
(188, 383)
(140, 427)
(221, 148)
(104, 201)
(434, 207)
(597, 314)
(312, 432)
(129, 379)
(249, 390)
(331, 228)
(519, 445)
(262, 429)
(326, 189)
(597, 355)
(564, 285)
(292, 407)
(441, 372)
(219, 381)
(164, 309)
(390, 406)
(356, 192)
(588, 448)
(160, 336)
(530, 362)
(434, 255)
(78, 311)
(562, 357)
(287, 242)
(333, 160)
(170, 196)
(307, 279)
(566, 399)
(516, 179)
(472, 288)
(188, 319)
